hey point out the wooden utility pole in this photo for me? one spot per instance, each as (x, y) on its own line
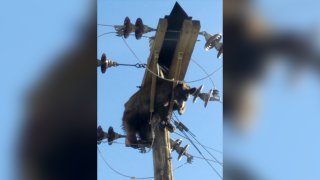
(172, 47)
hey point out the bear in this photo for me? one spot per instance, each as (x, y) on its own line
(136, 117)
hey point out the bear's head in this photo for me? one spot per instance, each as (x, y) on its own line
(181, 94)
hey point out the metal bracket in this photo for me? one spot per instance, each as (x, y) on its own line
(153, 82)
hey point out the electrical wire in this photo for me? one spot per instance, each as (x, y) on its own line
(131, 177)
(105, 25)
(203, 71)
(170, 80)
(205, 76)
(119, 173)
(185, 134)
(116, 32)
(135, 55)
(205, 159)
(200, 143)
(180, 166)
(106, 34)
(206, 150)
(115, 142)
(201, 154)
(208, 75)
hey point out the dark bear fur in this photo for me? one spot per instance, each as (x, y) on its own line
(136, 117)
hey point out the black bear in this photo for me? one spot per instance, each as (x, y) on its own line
(136, 117)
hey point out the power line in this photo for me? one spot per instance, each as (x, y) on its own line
(116, 142)
(198, 143)
(133, 177)
(193, 136)
(203, 71)
(205, 76)
(186, 135)
(119, 173)
(116, 32)
(135, 55)
(206, 150)
(180, 166)
(170, 80)
(108, 25)
(202, 155)
(105, 34)
(205, 159)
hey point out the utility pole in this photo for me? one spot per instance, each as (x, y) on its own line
(170, 53)
(172, 47)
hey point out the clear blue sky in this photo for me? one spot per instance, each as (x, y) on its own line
(118, 84)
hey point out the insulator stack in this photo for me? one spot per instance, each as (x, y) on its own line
(189, 158)
(175, 144)
(104, 63)
(127, 27)
(182, 151)
(215, 92)
(110, 136)
(220, 50)
(212, 41)
(139, 28)
(196, 93)
(212, 95)
(208, 98)
(100, 134)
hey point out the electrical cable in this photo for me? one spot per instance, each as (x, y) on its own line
(204, 71)
(205, 76)
(180, 166)
(170, 80)
(205, 159)
(119, 173)
(200, 143)
(115, 142)
(135, 55)
(108, 25)
(127, 176)
(206, 150)
(106, 34)
(202, 154)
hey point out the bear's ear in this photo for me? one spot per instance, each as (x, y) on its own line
(192, 90)
(179, 85)
(166, 104)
